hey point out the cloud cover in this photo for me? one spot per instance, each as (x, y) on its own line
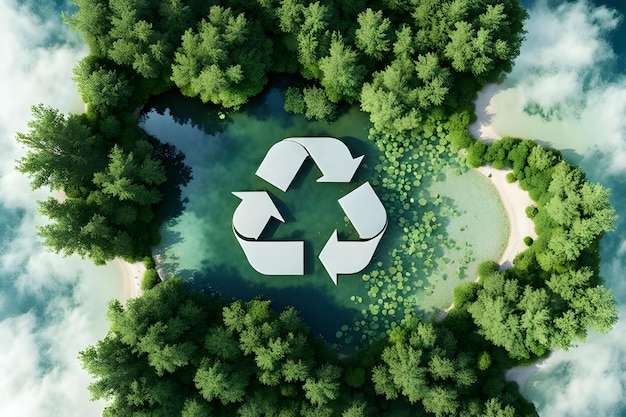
(50, 307)
(565, 91)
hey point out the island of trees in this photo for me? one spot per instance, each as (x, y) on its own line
(414, 66)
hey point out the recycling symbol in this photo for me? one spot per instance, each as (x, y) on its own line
(279, 168)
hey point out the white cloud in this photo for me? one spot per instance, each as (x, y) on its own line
(50, 307)
(41, 375)
(31, 72)
(566, 70)
(564, 74)
(589, 380)
(67, 299)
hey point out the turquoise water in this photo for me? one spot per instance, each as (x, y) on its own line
(481, 229)
(589, 380)
(200, 247)
(51, 307)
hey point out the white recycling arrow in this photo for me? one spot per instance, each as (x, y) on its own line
(368, 216)
(280, 167)
(283, 161)
(274, 257)
(331, 156)
(254, 212)
(365, 211)
(267, 257)
(348, 256)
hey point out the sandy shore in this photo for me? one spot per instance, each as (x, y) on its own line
(132, 274)
(515, 200)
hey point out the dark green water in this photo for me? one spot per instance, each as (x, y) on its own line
(52, 307)
(199, 245)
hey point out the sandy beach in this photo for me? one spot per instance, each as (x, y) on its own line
(132, 274)
(515, 200)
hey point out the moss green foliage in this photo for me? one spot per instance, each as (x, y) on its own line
(553, 294)
(174, 352)
(151, 277)
(414, 66)
(225, 62)
(110, 204)
(427, 365)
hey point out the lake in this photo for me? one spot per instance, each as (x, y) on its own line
(224, 153)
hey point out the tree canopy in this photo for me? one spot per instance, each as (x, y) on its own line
(176, 352)
(553, 294)
(110, 202)
(414, 66)
(225, 62)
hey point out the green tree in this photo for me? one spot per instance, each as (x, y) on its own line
(483, 46)
(130, 178)
(441, 401)
(317, 104)
(77, 228)
(196, 407)
(564, 204)
(294, 101)
(435, 79)
(63, 152)
(494, 313)
(137, 44)
(372, 34)
(290, 15)
(324, 386)
(149, 279)
(475, 154)
(101, 88)
(342, 75)
(357, 409)
(406, 370)
(389, 100)
(92, 20)
(225, 62)
(493, 408)
(541, 158)
(313, 38)
(404, 46)
(225, 382)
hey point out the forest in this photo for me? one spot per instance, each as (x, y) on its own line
(415, 66)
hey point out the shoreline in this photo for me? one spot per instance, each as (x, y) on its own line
(521, 374)
(514, 200)
(131, 276)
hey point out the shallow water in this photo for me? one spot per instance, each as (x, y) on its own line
(199, 245)
(590, 379)
(574, 385)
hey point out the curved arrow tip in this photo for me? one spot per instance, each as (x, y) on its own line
(343, 173)
(254, 212)
(328, 256)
